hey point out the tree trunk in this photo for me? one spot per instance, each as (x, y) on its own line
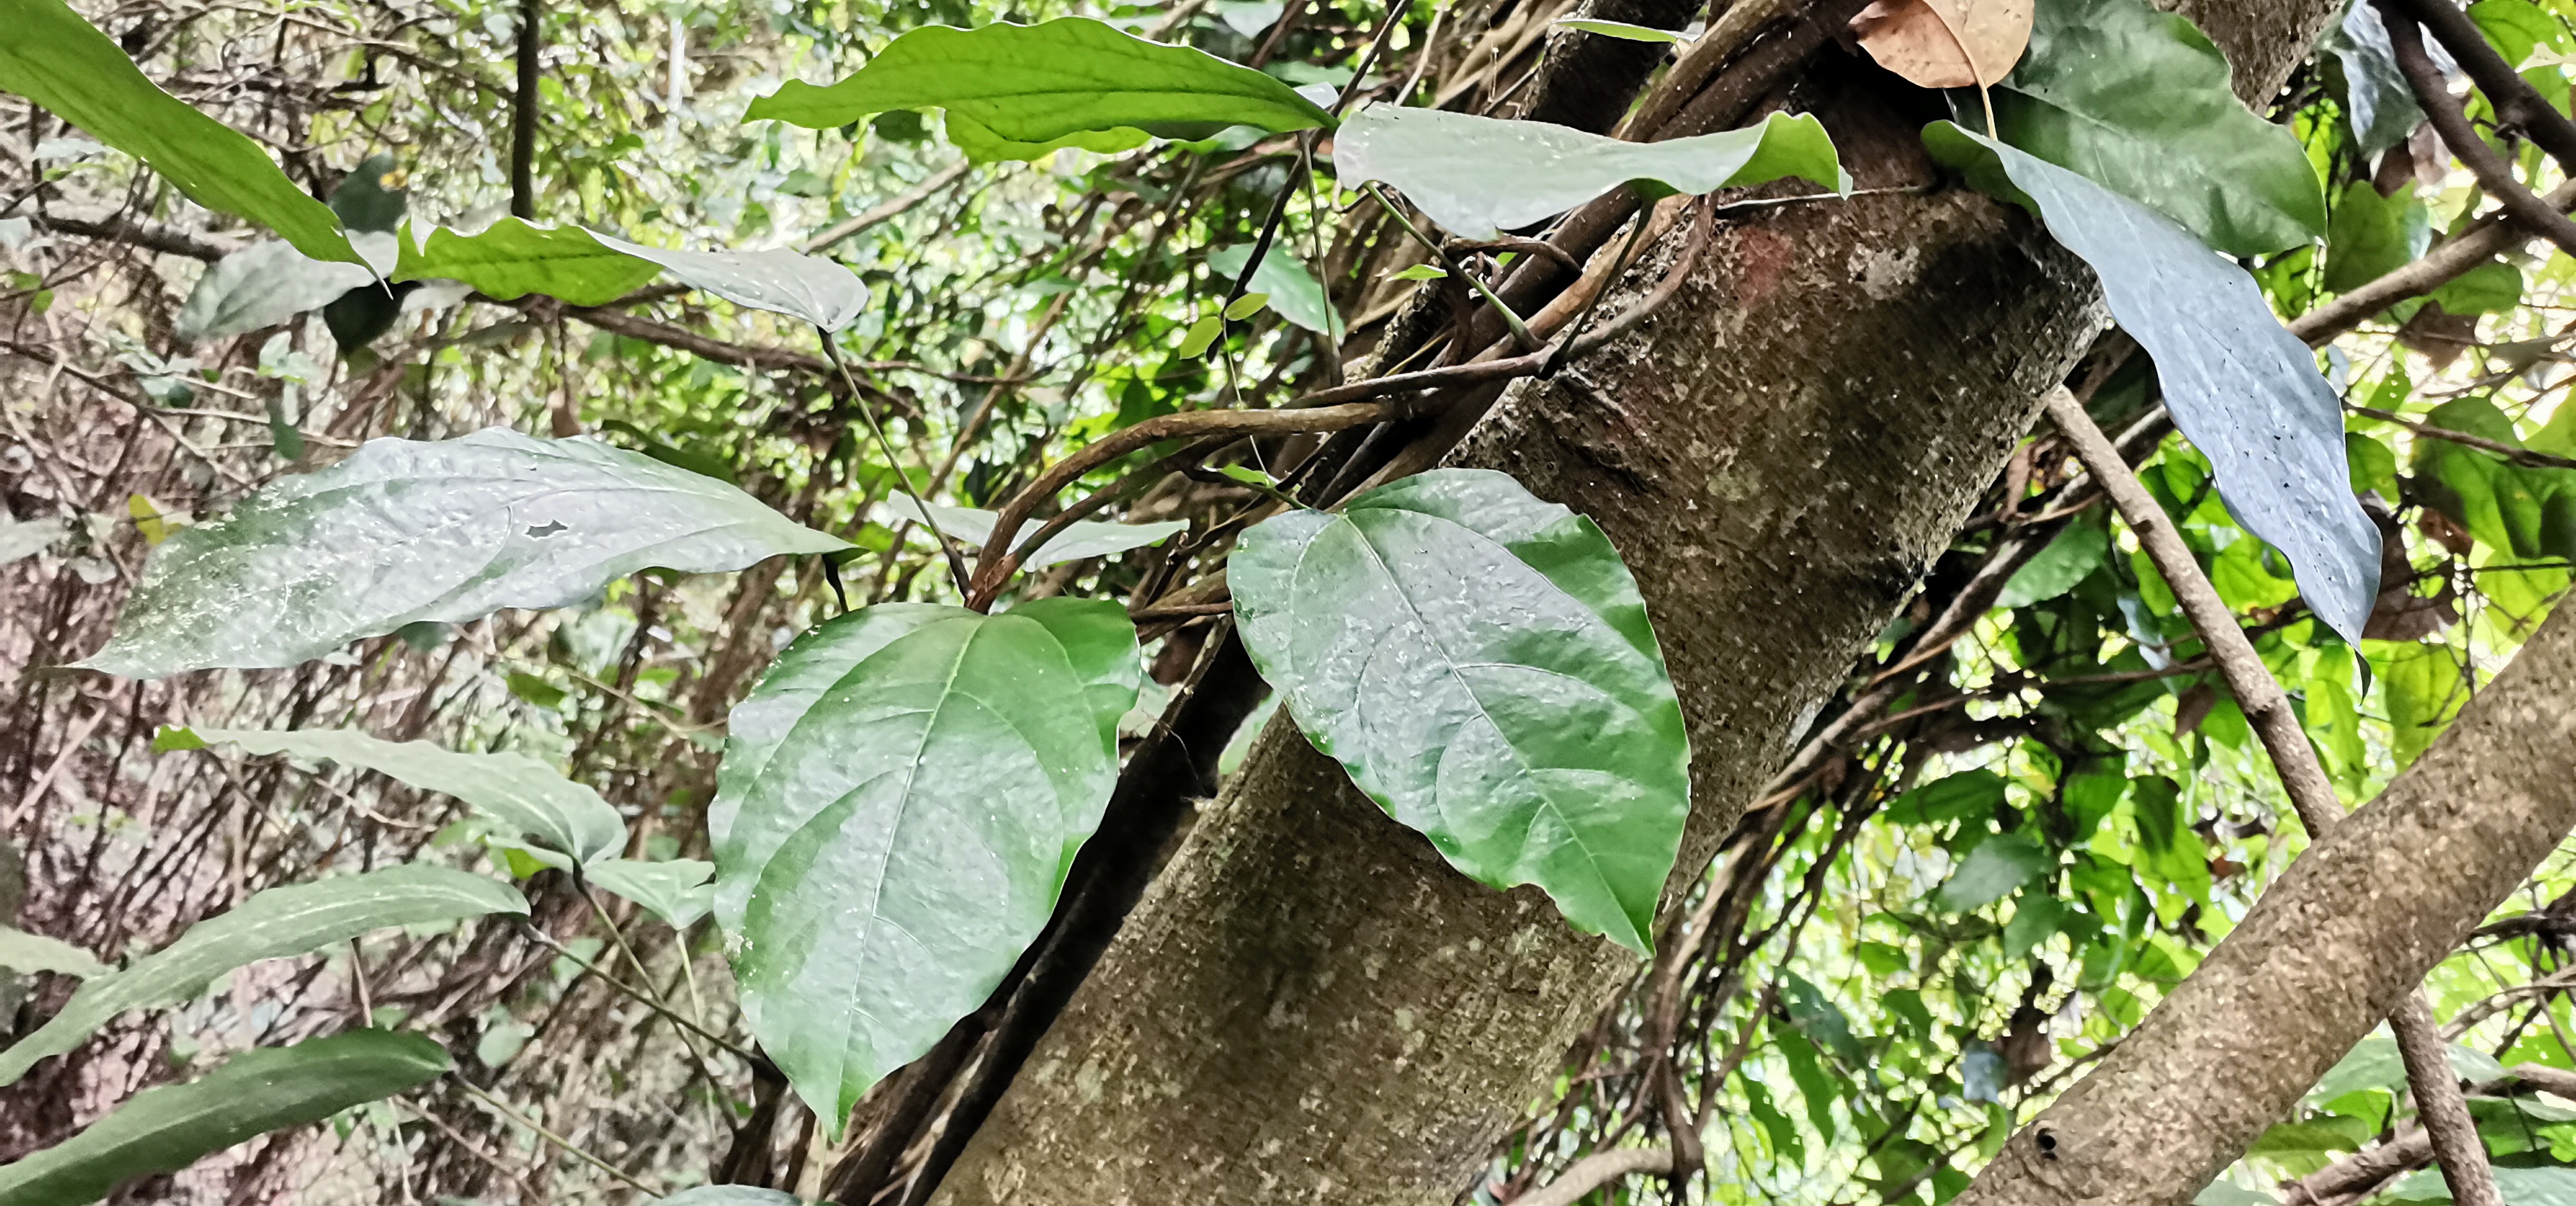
(1309, 1004)
(2354, 925)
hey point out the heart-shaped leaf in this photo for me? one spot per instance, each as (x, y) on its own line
(1476, 176)
(1480, 661)
(1023, 88)
(2244, 390)
(531, 797)
(63, 63)
(899, 801)
(297, 919)
(453, 530)
(168, 1128)
(2138, 101)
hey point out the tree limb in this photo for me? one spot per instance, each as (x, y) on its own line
(2515, 101)
(2406, 39)
(1596, 1170)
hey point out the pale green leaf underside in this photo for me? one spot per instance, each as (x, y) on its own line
(1480, 662)
(168, 1128)
(731, 1195)
(268, 283)
(1025, 87)
(676, 891)
(54, 58)
(297, 919)
(534, 799)
(2139, 101)
(450, 531)
(27, 953)
(1476, 176)
(511, 259)
(2242, 388)
(898, 803)
(972, 526)
(778, 280)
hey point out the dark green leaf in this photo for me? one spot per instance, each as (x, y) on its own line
(2069, 559)
(1476, 175)
(369, 198)
(2138, 101)
(2490, 288)
(1966, 796)
(168, 1128)
(530, 797)
(1022, 89)
(451, 531)
(2035, 918)
(2504, 506)
(2244, 390)
(277, 923)
(2371, 236)
(59, 61)
(1480, 662)
(1992, 870)
(898, 802)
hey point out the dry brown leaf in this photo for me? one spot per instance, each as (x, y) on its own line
(1910, 38)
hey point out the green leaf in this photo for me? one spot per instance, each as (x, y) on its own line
(2504, 506)
(731, 1195)
(1480, 662)
(529, 796)
(2493, 287)
(781, 281)
(2034, 919)
(1477, 176)
(2424, 692)
(61, 62)
(1032, 85)
(451, 531)
(2138, 101)
(368, 198)
(2544, 1186)
(1291, 290)
(168, 1128)
(512, 259)
(1420, 272)
(676, 891)
(2370, 235)
(2377, 100)
(898, 803)
(1195, 341)
(2515, 27)
(1083, 539)
(2246, 392)
(268, 283)
(1247, 305)
(1620, 29)
(278, 923)
(2374, 1063)
(1992, 870)
(2070, 558)
(1100, 642)
(1966, 796)
(27, 954)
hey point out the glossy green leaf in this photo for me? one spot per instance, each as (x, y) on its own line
(512, 259)
(531, 797)
(278, 923)
(676, 891)
(1993, 870)
(2370, 235)
(168, 1128)
(448, 531)
(1292, 290)
(1032, 85)
(972, 526)
(1100, 643)
(2138, 101)
(1246, 306)
(781, 281)
(2070, 558)
(1476, 176)
(898, 803)
(1480, 661)
(1196, 340)
(27, 953)
(2245, 391)
(2516, 27)
(2490, 288)
(2505, 506)
(61, 62)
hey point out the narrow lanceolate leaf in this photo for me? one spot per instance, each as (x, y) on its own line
(281, 922)
(1022, 88)
(168, 1128)
(778, 280)
(511, 259)
(899, 800)
(54, 58)
(450, 531)
(972, 526)
(534, 799)
(731, 1195)
(2138, 101)
(676, 891)
(1480, 661)
(27, 953)
(1478, 175)
(2244, 390)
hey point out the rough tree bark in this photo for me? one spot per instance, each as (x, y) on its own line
(2326, 953)
(1309, 1005)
